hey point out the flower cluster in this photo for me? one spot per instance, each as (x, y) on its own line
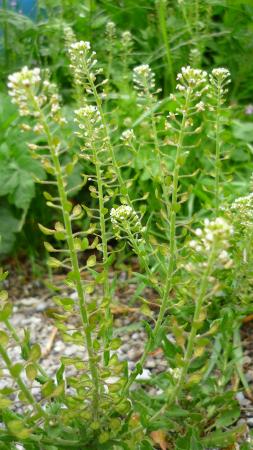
(144, 80)
(83, 62)
(128, 136)
(30, 94)
(220, 73)
(215, 235)
(219, 79)
(88, 119)
(192, 79)
(126, 220)
(110, 30)
(23, 87)
(127, 41)
(242, 211)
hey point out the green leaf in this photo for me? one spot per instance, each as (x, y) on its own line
(31, 371)
(5, 312)
(243, 130)
(85, 243)
(228, 417)
(224, 439)
(16, 369)
(45, 230)
(5, 403)
(17, 428)
(17, 169)
(48, 388)
(9, 225)
(91, 261)
(4, 338)
(35, 353)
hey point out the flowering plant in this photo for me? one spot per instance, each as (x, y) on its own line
(98, 406)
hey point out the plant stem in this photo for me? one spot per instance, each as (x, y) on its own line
(195, 326)
(172, 219)
(98, 101)
(217, 149)
(5, 35)
(23, 388)
(73, 257)
(77, 276)
(172, 248)
(107, 294)
(164, 33)
(160, 162)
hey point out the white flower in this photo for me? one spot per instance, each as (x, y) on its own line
(216, 234)
(110, 29)
(242, 211)
(221, 73)
(80, 46)
(128, 135)
(192, 79)
(20, 85)
(200, 106)
(144, 79)
(125, 219)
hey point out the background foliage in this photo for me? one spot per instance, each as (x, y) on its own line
(166, 35)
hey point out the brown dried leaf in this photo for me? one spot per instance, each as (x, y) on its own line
(159, 437)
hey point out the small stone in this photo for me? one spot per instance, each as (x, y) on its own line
(250, 421)
(150, 364)
(249, 375)
(246, 360)
(131, 354)
(145, 375)
(240, 397)
(124, 348)
(135, 336)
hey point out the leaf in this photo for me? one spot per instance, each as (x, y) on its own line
(16, 369)
(85, 243)
(159, 437)
(35, 353)
(243, 130)
(5, 402)
(91, 261)
(4, 338)
(17, 169)
(228, 417)
(17, 428)
(5, 312)
(222, 439)
(9, 225)
(31, 371)
(45, 230)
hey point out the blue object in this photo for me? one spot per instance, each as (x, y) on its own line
(26, 7)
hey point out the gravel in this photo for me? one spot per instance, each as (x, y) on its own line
(31, 305)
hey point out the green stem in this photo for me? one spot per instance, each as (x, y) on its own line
(187, 21)
(77, 276)
(158, 155)
(5, 35)
(98, 101)
(23, 388)
(195, 326)
(172, 219)
(162, 12)
(143, 261)
(107, 294)
(73, 257)
(172, 249)
(217, 151)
